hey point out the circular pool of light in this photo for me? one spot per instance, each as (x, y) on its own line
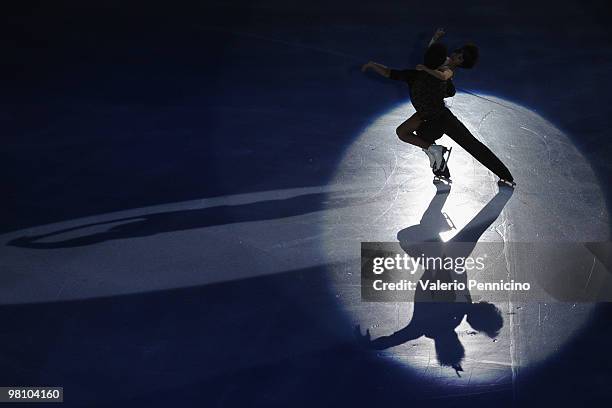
(558, 199)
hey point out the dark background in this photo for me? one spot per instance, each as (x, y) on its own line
(113, 105)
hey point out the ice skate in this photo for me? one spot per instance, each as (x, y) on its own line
(438, 152)
(442, 175)
(430, 156)
(506, 183)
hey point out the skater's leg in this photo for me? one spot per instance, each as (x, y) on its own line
(464, 138)
(430, 131)
(410, 125)
(405, 132)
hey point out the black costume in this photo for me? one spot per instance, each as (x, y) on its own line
(427, 94)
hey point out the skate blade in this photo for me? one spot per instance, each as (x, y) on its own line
(506, 183)
(446, 182)
(442, 179)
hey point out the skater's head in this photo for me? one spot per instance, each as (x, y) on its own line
(465, 57)
(485, 317)
(435, 55)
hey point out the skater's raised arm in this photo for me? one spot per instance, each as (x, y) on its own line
(380, 69)
(437, 35)
(444, 74)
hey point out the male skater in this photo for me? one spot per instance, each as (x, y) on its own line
(427, 92)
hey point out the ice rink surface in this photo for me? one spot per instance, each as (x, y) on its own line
(187, 227)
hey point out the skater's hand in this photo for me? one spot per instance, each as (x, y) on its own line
(439, 33)
(366, 66)
(420, 67)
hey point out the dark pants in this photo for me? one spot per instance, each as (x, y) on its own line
(447, 123)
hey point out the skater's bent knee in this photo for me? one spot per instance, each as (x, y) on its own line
(406, 137)
(401, 135)
(404, 134)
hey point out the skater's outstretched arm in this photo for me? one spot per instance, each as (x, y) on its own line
(406, 75)
(380, 69)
